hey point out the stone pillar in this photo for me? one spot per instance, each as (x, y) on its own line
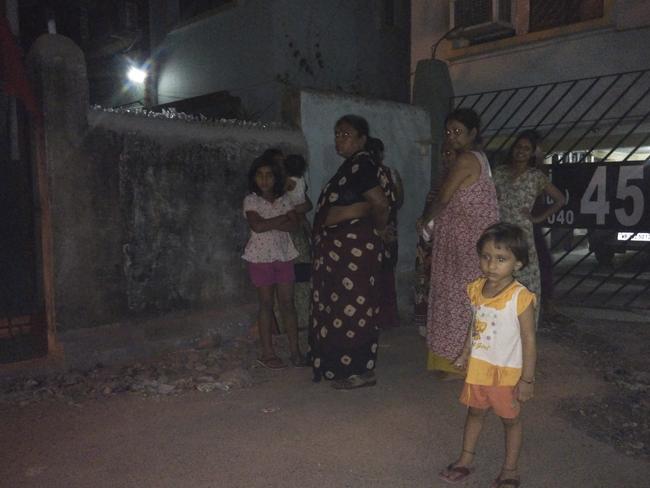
(58, 71)
(522, 17)
(433, 91)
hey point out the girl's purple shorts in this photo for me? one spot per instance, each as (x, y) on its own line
(265, 274)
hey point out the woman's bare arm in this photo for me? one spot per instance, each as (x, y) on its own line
(379, 207)
(465, 169)
(305, 207)
(376, 205)
(399, 189)
(558, 202)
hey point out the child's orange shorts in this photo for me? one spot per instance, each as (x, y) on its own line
(501, 399)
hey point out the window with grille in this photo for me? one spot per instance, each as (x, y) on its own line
(546, 14)
(474, 12)
(480, 21)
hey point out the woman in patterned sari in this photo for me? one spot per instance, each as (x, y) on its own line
(351, 215)
(519, 182)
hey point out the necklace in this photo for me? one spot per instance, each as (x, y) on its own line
(500, 289)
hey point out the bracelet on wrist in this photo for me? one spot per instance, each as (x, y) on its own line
(527, 382)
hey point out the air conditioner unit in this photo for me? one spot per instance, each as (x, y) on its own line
(481, 20)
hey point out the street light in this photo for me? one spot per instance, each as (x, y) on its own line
(136, 75)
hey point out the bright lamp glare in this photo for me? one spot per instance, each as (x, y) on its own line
(136, 75)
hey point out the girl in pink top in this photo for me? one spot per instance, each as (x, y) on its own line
(270, 254)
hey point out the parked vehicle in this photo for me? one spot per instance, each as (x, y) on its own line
(606, 243)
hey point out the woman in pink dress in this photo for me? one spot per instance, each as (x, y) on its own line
(465, 206)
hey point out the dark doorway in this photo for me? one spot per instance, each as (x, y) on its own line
(23, 331)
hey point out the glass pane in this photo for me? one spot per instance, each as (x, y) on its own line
(546, 14)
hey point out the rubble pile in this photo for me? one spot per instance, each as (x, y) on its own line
(207, 367)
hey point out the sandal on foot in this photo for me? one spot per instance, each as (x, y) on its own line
(354, 381)
(272, 362)
(506, 482)
(460, 473)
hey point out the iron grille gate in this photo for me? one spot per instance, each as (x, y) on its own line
(596, 140)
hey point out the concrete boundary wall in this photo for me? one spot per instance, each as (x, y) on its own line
(161, 237)
(146, 215)
(172, 191)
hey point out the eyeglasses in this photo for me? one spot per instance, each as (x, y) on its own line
(456, 132)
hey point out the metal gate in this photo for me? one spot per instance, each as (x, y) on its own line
(596, 141)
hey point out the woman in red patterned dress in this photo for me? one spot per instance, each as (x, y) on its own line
(465, 206)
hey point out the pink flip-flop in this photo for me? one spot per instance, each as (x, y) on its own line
(271, 363)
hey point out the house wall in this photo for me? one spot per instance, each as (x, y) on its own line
(593, 48)
(579, 56)
(230, 50)
(405, 131)
(256, 48)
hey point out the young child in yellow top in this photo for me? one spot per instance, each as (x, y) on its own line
(500, 351)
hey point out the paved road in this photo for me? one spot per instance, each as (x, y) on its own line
(288, 432)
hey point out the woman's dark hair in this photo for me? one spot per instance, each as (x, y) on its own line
(469, 118)
(508, 235)
(272, 153)
(531, 136)
(278, 175)
(295, 165)
(359, 123)
(375, 147)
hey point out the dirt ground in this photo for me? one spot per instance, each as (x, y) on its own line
(208, 417)
(618, 352)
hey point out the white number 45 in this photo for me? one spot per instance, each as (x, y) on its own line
(594, 200)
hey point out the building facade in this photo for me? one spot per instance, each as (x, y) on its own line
(531, 41)
(257, 49)
(248, 51)
(578, 73)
